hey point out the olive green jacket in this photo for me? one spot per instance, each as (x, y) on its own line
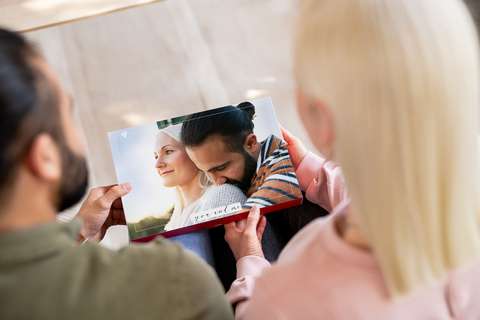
(46, 274)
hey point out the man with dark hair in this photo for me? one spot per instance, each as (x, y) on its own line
(474, 7)
(221, 142)
(44, 272)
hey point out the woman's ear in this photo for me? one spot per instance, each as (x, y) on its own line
(318, 121)
(43, 159)
(204, 179)
(327, 128)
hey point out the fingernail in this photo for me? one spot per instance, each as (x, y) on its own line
(126, 186)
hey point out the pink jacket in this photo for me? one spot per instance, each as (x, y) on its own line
(320, 276)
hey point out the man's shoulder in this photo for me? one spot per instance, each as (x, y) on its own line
(135, 269)
(156, 256)
(157, 277)
(275, 156)
(275, 180)
(151, 281)
(271, 144)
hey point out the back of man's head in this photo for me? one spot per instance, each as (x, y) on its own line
(232, 123)
(29, 104)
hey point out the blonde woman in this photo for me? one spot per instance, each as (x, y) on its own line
(194, 194)
(389, 89)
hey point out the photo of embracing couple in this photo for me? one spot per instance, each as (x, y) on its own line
(219, 164)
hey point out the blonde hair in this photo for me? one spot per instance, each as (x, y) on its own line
(402, 81)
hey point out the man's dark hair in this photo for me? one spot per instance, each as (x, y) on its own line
(28, 103)
(230, 122)
(474, 7)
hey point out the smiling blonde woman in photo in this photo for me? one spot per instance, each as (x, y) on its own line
(177, 171)
(389, 90)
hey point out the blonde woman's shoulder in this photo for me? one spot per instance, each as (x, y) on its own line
(464, 291)
(303, 239)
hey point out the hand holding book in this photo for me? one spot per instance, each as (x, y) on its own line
(245, 236)
(296, 148)
(101, 209)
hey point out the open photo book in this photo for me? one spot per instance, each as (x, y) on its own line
(203, 169)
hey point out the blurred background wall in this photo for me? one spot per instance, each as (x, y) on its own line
(160, 60)
(166, 59)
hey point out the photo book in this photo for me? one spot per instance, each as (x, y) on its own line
(204, 169)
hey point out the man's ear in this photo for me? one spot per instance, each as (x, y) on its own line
(43, 159)
(251, 144)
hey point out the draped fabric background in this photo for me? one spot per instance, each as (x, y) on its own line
(27, 15)
(160, 60)
(166, 59)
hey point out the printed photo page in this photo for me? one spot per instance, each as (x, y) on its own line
(203, 169)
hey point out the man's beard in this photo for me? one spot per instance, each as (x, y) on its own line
(74, 181)
(248, 172)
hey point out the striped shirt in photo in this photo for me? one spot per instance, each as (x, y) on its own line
(275, 180)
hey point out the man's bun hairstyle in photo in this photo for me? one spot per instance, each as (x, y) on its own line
(233, 123)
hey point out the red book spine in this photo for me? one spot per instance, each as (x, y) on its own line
(220, 221)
